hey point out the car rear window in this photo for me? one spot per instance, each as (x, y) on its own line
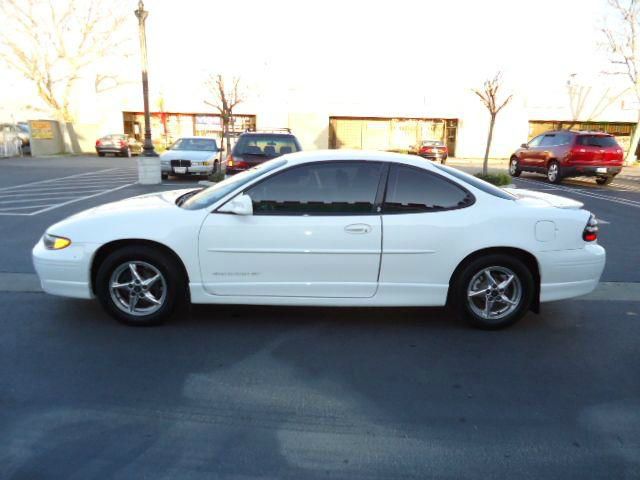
(265, 145)
(597, 141)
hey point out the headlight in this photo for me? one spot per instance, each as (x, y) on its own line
(51, 242)
(206, 164)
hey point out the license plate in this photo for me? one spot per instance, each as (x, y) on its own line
(601, 170)
(179, 169)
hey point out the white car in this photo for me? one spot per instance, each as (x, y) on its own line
(190, 156)
(328, 228)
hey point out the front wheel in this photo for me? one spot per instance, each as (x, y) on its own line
(554, 174)
(493, 291)
(140, 285)
(514, 168)
(605, 180)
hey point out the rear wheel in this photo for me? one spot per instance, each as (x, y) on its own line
(101, 154)
(605, 180)
(139, 285)
(493, 291)
(554, 174)
(514, 167)
(164, 176)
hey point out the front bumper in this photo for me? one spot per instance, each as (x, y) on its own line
(65, 272)
(570, 273)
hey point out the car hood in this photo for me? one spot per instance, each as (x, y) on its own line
(194, 155)
(533, 198)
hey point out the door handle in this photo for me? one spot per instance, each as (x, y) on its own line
(358, 228)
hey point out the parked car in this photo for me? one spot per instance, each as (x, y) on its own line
(191, 156)
(566, 153)
(17, 131)
(118, 144)
(306, 229)
(253, 148)
(433, 150)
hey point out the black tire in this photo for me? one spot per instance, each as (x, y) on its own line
(554, 172)
(172, 281)
(100, 154)
(605, 180)
(514, 167)
(164, 176)
(473, 272)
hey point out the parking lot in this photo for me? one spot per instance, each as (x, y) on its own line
(257, 392)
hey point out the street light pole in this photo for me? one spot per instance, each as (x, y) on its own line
(142, 14)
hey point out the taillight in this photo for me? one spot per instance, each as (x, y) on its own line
(590, 233)
(230, 161)
(98, 143)
(123, 143)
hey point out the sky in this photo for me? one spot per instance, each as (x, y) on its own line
(311, 53)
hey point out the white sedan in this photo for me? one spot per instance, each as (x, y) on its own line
(330, 228)
(190, 156)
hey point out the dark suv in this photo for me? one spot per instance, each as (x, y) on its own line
(567, 153)
(253, 148)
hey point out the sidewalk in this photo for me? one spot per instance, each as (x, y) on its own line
(631, 173)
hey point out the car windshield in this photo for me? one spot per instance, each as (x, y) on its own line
(597, 141)
(214, 193)
(476, 182)
(265, 145)
(197, 144)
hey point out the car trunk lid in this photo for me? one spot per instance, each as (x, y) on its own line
(533, 198)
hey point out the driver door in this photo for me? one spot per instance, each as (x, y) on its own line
(314, 232)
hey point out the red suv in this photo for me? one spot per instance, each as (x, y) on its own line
(566, 153)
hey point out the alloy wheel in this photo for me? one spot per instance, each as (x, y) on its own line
(513, 167)
(494, 293)
(138, 288)
(552, 173)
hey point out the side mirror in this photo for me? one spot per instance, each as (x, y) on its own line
(241, 205)
(524, 145)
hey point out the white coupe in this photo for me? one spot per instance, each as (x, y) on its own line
(330, 228)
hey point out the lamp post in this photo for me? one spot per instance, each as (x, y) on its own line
(142, 14)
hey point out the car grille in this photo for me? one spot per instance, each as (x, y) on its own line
(180, 163)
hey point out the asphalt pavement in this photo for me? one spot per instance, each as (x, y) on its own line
(257, 392)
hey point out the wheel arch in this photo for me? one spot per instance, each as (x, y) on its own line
(549, 160)
(526, 257)
(105, 250)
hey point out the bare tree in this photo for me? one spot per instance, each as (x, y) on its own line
(623, 43)
(580, 96)
(489, 96)
(226, 94)
(57, 43)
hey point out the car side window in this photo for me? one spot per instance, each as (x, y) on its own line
(549, 140)
(534, 142)
(332, 188)
(413, 190)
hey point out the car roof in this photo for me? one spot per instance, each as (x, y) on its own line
(366, 155)
(276, 134)
(577, 132)
(197, 138)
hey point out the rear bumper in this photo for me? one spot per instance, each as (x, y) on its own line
(590, 170)
(570, 273)
(433, 156)
(111, 150)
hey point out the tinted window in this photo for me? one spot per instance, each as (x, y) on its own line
(340, 188)
(535, 142)
(597, 141)
(211, 195)
(481, 185)
(412, 190)
(265, 145)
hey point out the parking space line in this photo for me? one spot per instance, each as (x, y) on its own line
(81, 198)
(57, 179)
(38, 197)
